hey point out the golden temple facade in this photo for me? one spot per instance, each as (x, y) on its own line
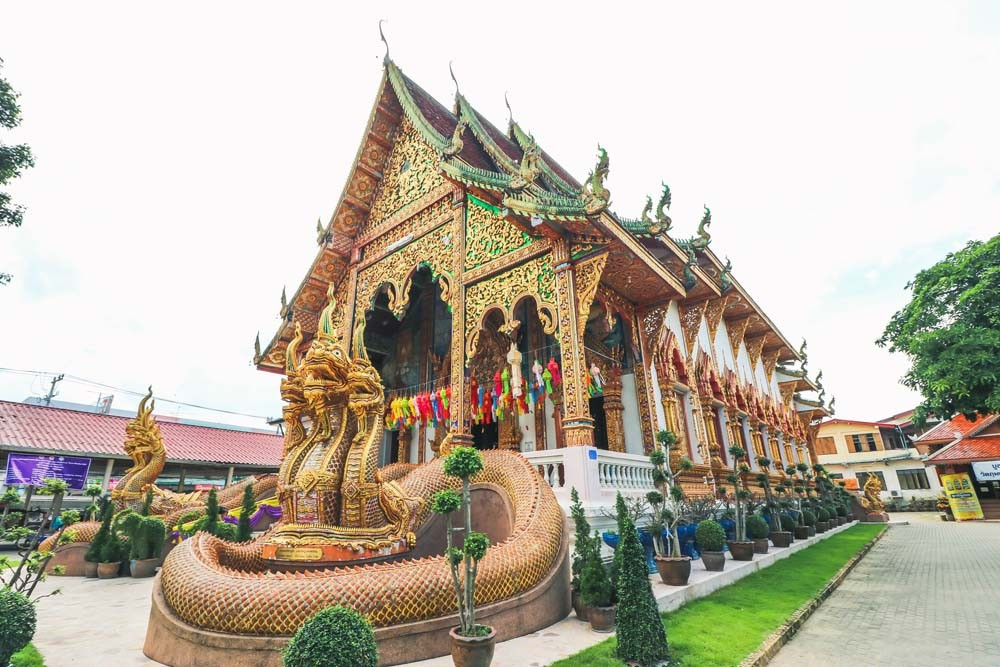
(504, 304)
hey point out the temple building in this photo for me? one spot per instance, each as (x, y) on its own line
(503, 301)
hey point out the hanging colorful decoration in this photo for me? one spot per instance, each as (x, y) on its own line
(430, 407)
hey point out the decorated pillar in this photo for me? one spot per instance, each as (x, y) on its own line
(557, 416)
(575, 288)
(459, 406)
(712, 440)
(509, 433)
(671, 405)
(735, 430)
(613, 410)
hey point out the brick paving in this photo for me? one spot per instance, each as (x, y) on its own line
(926, 594)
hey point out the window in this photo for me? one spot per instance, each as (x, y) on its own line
(836, 475)
(912, 479)
(863, 442)
(862, 478)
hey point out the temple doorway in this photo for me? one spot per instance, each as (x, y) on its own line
(411, 349)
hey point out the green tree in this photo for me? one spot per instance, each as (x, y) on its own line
(950, 330)
(641, 637)
(243, 530)
(13, 160)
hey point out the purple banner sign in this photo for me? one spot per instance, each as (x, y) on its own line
(25, 469)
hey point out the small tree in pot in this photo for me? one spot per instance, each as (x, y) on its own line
(757, 531)
(822, 520)
(148, 537)
(740, 547)
(581, 550)
(471, 644)
(809, 519)
(667, 504)
(711, 538)
(596, 590)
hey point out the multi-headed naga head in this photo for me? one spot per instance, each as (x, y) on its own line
(142, 434)
(324, 370)
(291, 386)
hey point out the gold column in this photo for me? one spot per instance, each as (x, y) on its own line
(557, 416)
(613, 408)
(735, 429)
(403, 451)
(509, 433)
(673, 423)
(461, 421)
(775, 448)
(578, 426)
(708, 416)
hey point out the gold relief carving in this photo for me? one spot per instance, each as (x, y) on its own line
(373, 156)
(613, 302)
(613, 409)
(770, 361)
(643, 387)
(713, 315)
(587, 275)
(690, 322)
(498, 265)
(346, 222)
(737, 329)
(432, 250)
(754, 347)
(503, 291)
(488, 235)
(436, 214)
(411, 171)
(362, 186)
(578, 427)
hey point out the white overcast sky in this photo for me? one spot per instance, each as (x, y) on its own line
(185, 150)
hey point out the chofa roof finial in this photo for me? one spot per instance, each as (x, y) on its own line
(510, 112)
(452, 71)
(384, 41)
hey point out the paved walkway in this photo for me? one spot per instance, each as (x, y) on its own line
(926, 594)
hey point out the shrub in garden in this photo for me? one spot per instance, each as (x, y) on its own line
(788, 523)
(17, 623)
(595, 585)
(334, 637)
(808, 518)
(93, 554)
(822, 514)
(582, 537)
(641, 637)
(710, 535)
(757, 528)
(243, 530)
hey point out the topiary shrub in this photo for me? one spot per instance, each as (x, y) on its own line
(757, 528)
(641, 638)
(93, 554)
(710, 535)
(822, 514)
(243, 530)
(17, 623)
(595, 585)
(334, 637)
(788, 524)
(808, 518)
(841, 510)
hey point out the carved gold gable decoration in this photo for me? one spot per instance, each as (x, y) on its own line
(713, 315)
(754, 347)
(534, 278)
(412, 171)
(488, 234)
(587, 276)
(770, 361)
(737, 329)
(691, 322)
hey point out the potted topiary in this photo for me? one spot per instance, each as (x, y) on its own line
(110, 560)
(757, 531)
(668, 510)
(711, 537)
(581, 548)
(596, 590)
(740, 547)
(17, 623)
(334, 637)
(787, 533)
(93, 555)
(809, 519)
(822, 520)
(471, 644)
(147, 543)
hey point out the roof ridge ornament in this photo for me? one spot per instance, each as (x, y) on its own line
(689, 278)
(644, 216)
(510, 116)
(803, 355)
(456, 144)
(596, 196)
(529, 169)
(451, 70)
(385, 59)
(726, 277)
(284, 302)
(704, 238)
(662, 219)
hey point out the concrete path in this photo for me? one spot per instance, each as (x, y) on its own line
(926, 594)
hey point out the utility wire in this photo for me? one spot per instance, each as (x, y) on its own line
(85, 381)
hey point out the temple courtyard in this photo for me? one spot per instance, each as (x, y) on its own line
(922, 594)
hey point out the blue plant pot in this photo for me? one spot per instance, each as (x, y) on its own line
(611, 539)
(646, 539)
(685, 533)
(730, 527)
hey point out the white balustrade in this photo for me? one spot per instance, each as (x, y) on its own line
(624, 472)
(549, 464)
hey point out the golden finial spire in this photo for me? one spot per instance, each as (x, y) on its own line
(381, 34)
(326, 327)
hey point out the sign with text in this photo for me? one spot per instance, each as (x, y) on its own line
(962, 497)
(23, 469)
(987, 471)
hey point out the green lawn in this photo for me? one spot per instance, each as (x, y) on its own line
(721, 629)
(27, 657)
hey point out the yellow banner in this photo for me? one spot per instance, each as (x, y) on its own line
(962, 497)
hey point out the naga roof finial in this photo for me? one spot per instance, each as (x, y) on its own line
(726, 277)
(456, 144)
(284, 302)
(360, 351)
(320, 232)
(596, 197)
(256, 348)
(803, 355)
(689, 278)
(381, 34)
(704, 238)
(662, 207)
(645, 211)
(510, 114)
(452, 71)
(833, 401)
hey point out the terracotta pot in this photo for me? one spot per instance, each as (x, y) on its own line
(602, 619)
(108, 570)
(714, 561)
(741, 550)
(579, 607)
(89, 569)
(144, 568)
(781, 538)
(812, 531)
(802, 532)
(761, 545)
(472, 651)
(673, 571)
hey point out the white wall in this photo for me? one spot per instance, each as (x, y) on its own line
(630, 416)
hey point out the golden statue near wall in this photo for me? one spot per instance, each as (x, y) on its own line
(872, 499)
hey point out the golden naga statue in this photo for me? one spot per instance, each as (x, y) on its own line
(872, 499)
(335, 504)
